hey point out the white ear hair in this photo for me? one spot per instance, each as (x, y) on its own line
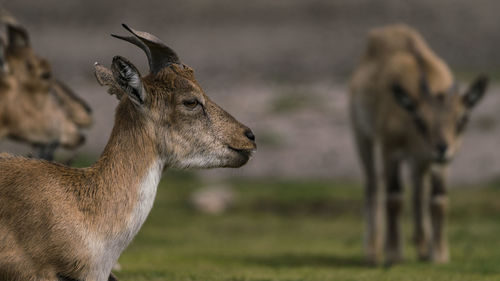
(134, 78)
(128, 79)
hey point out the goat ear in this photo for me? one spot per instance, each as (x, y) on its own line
(475, 92)
(128, 79)
(105, 77)
(403, 98)
(17, 36)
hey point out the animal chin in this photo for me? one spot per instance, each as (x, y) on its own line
(442, 160)
(242, 156)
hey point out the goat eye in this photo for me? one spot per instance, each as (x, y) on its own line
(421, 126)
(191, 103)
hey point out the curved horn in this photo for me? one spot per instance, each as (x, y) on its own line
(159, 55)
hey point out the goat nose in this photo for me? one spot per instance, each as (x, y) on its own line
(46, 75)
(249, 134)
(441, 148)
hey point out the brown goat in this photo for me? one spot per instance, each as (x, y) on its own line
(29, 112)
(405, 106)
(61, 223)
(39, 109)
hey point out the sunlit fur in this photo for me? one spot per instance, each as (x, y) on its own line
(75, 222)
(405, 106)
(202, 137)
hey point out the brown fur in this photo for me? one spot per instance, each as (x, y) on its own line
(38, 109)
(405, 107)
(76, 109)
(30, 113)
(50, 212)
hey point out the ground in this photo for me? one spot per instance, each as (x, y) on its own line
(301, 230)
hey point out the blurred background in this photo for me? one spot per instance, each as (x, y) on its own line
(294, 212)
(281, 67)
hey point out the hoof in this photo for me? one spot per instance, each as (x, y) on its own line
(440, 257)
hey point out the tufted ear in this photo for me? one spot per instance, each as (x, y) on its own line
(475, 92)
(128, 79)
(105, 77)
(17, 37)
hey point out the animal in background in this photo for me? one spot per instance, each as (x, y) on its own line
(30, 113)
(406, 106)
(39, 109)
(62, 223)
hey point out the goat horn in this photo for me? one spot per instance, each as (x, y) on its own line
(159, 55)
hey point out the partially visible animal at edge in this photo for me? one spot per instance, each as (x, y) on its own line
(36, 108)
(62, 223)
(405, 105)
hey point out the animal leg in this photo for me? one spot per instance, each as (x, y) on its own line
(46, 151)
(394, 207)
(421, 215)
(438, 208)
(372, 209)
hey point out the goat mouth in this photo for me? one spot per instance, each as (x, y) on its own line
(242, 151)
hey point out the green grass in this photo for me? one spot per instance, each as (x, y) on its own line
(294, 231)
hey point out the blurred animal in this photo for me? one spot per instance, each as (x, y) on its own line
(62, 223)
(37, 108)
(406, 106)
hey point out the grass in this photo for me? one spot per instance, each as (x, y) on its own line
(295, 231)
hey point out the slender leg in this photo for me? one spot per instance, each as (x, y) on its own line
(394, 207)
(373, 212)
(421, 214)
(438, 208)
(46, 151)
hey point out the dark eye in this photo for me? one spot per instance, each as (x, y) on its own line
(462, 123)
(191, 103)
